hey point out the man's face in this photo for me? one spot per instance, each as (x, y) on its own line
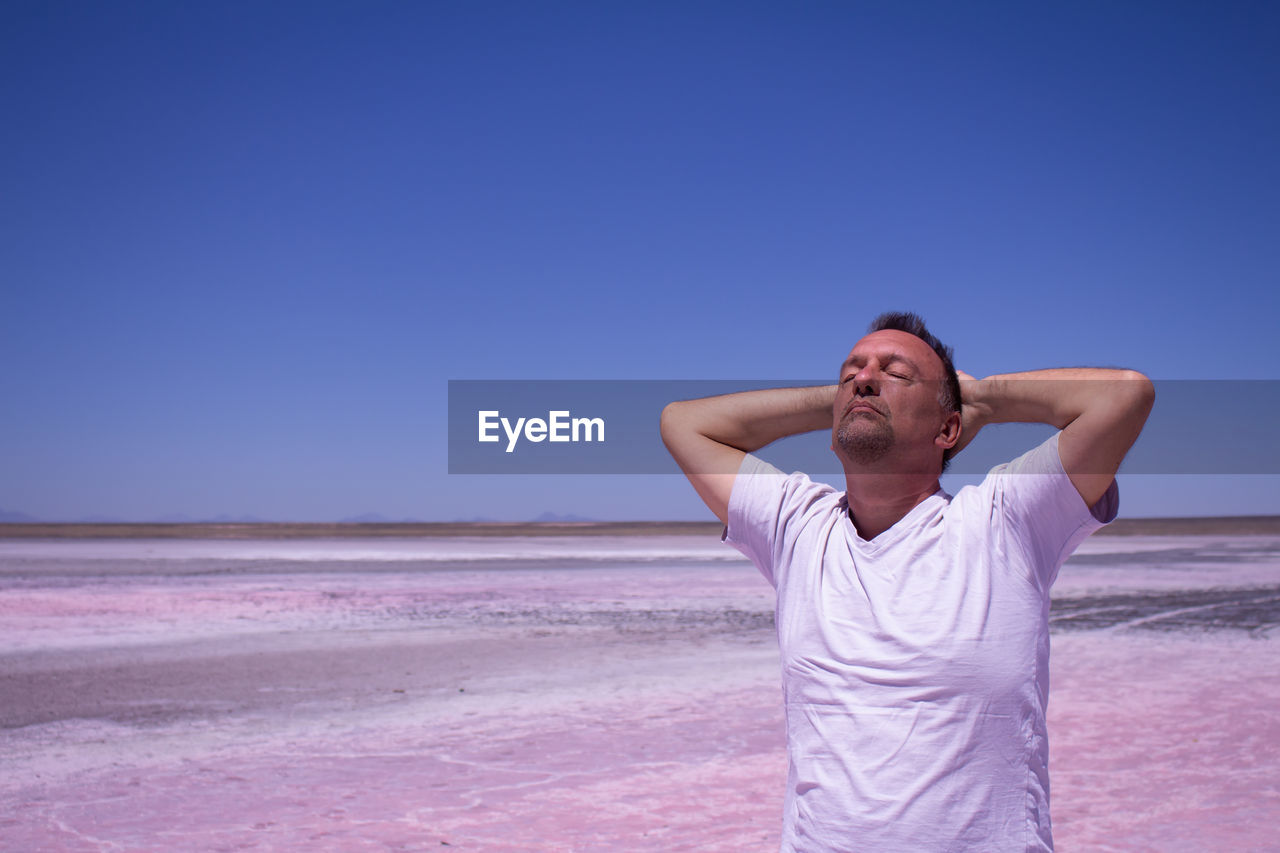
(887, 401)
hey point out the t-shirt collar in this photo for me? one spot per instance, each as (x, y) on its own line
(899, 529)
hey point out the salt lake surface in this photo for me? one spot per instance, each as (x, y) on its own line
(575, 693)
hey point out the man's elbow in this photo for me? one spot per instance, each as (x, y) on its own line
(1131, 397)
(676, 423)
(669, 423)
(1140, 392)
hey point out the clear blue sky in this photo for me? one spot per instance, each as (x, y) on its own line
(245, 245)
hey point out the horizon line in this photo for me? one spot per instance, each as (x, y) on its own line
(1136, 526)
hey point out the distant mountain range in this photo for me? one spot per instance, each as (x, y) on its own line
(13, 517)
(8, 515)
(561, 519)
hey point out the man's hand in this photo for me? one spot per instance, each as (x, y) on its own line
(973, 414)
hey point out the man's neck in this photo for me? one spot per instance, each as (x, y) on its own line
(879, 501)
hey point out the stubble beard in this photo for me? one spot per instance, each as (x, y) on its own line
(865, 439)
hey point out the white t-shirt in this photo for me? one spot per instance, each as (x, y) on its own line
(915, 665)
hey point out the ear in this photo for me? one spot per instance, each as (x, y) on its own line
(949, 433)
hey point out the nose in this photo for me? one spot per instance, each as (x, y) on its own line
(866, 382)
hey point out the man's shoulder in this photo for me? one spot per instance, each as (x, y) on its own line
(976, 503)
(805, 493)
(769, 509)
(764, 474)
(1040, 460)
(761, 485)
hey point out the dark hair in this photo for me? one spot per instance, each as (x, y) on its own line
(913, 324)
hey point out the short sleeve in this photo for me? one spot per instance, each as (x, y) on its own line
(1045, 518)
(764, 508)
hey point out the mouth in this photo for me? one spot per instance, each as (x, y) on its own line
(861, 406)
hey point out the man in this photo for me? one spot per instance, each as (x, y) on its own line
(913, 625)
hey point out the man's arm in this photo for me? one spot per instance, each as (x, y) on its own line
(1100, 412)
(709, 437)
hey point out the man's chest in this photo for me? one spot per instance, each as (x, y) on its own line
(934, 615)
